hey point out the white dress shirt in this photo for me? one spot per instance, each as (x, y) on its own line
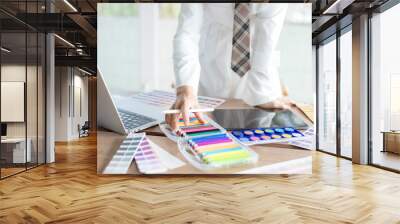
(203, 49)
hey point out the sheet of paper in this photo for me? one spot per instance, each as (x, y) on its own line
(169, 161)
(165, 99)
(306, 143)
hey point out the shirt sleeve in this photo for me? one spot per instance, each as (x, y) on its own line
(186, 45)
(262, 83)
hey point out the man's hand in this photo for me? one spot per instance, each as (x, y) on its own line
(185, 100)
(282, 103)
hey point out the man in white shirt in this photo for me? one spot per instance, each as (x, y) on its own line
(227, 50)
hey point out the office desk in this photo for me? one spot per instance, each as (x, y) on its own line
(273, 158)
(17, 150)
(391, 141)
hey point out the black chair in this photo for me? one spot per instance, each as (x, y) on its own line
(84, 130)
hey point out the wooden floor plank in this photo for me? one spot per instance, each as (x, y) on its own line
(70, 191)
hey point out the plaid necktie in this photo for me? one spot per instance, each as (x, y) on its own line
(240, 62)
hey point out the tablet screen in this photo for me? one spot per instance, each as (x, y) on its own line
(257, 118)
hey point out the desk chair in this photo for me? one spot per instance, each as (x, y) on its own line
(84, 130)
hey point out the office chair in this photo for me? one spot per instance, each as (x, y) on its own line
(84, 130)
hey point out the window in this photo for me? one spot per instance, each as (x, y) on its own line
(327, 96)
(385, 89)
(346, 94)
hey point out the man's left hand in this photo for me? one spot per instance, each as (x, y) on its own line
(283, 103)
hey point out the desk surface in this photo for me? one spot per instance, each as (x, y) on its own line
(13, 140)
(273, 158)
(391, 132)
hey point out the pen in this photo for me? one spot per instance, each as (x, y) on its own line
(191, 110)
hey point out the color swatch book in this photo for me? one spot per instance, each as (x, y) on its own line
(167, 159)
(308, 142)
(165, 99)
(147, 160)
(208, 146)
(123, 157)
(267, 135)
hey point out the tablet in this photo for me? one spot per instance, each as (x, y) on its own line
(232, 119)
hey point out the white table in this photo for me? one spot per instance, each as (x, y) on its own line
(18, 150)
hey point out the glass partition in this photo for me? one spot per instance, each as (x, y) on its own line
(346, 94)
(14, 153)
(32, 98)
(22, 91)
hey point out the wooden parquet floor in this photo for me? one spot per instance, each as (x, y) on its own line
(70, 191)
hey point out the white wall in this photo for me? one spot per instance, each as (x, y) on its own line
(69, 82)
(79, 117)
(12, 73)
(34, 125)
(295, 47)
(61, 104)
(118, 47)
(136, 48)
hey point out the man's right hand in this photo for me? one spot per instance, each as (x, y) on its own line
(185, 100)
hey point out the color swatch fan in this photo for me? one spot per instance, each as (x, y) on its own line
(147, 159)
(123, 157)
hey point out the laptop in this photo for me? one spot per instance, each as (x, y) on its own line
(122, 114)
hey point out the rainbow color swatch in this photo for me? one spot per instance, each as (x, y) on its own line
(211, 145)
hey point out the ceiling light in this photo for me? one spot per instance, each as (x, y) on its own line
(84, 71)
(5, 50)
(338, 6)
(65, 41)
(70, 5)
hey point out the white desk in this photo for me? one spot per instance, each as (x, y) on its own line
(18, 149)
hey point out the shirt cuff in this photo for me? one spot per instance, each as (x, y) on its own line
(188, 75)
(256, 89)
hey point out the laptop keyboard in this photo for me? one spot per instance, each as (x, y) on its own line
(133, 120)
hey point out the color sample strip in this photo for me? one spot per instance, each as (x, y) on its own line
(266, 135)
(199, 129)
(306, 143)
(147, 160)
(207, 148)
(192, 123)
(122, 159)
(228, 157)
(202, 133)
(221, 151)
(212, 141)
